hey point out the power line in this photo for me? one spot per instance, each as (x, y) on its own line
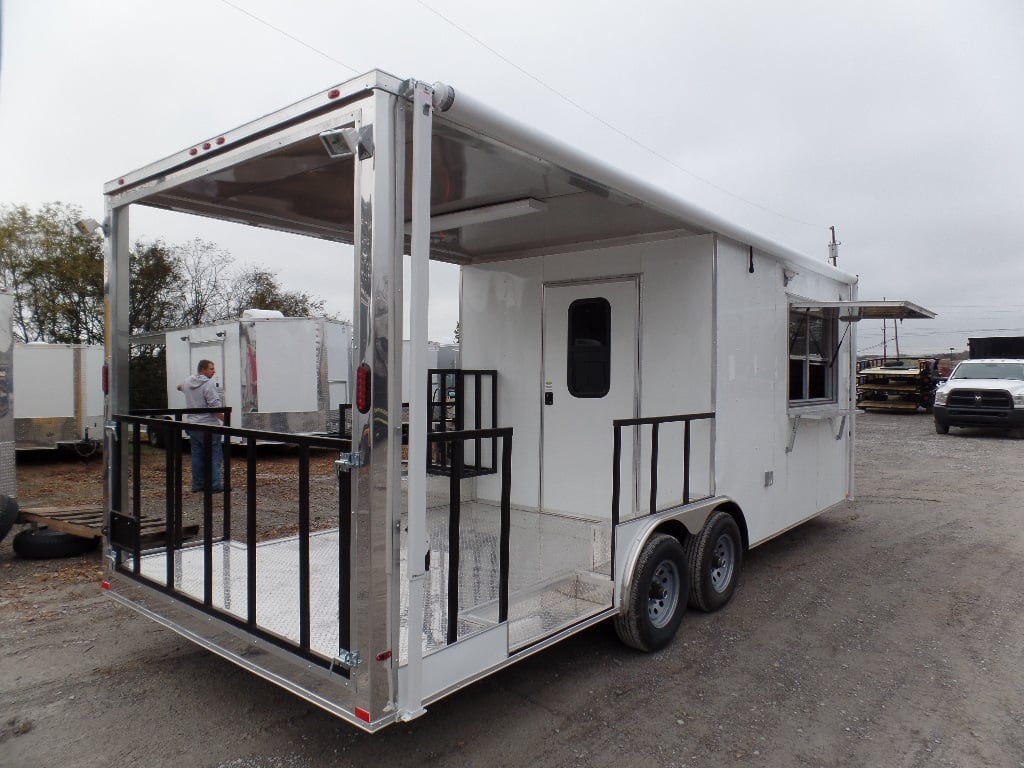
(290, 36)
(611, 127)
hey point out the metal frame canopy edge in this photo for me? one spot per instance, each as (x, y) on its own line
(464, 112)
(871, 310)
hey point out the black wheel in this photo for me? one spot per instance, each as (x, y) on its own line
(715, 556)
(657, 596)
(941, 429)
(43, 544)
(8, 514)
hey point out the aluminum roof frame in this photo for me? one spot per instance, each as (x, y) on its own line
(274, 172)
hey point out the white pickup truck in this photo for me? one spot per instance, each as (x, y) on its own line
(982, 393)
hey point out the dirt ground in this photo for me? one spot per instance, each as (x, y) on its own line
(889, 632)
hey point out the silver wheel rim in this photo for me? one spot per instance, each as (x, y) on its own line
(664, 594)
(723, 562)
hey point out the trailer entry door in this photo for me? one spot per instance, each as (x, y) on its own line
(590, 378)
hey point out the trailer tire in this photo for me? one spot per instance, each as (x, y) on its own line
(715, 556)
(941, 429)
(43, 544)
(657, 596)
(8, 514)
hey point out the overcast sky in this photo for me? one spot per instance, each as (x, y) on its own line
(900, 123)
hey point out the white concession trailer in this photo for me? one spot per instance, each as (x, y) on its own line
(283, 374)
(58, 396)
(646, 391)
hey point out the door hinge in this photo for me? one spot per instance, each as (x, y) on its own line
(345, 658)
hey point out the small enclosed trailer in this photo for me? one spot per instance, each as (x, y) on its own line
(646, 390)
(8, 468)
(283, 374)
(58, 396)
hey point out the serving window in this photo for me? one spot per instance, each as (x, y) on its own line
(812, 342)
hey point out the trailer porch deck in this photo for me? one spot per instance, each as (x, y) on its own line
(559, 575)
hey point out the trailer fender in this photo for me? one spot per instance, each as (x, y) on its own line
(680, 522)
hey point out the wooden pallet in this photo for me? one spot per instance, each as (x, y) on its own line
(87, 522)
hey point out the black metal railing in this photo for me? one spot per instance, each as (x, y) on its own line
(448, 408)
(454, 442)
(655, 423)
(125, 527)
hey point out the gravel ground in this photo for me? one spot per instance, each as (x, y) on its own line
(887, 632)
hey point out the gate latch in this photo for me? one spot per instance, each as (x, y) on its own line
(349, 461)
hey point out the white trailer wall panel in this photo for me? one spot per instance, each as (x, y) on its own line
(286, 374)
(754, 420)
(58, 394)
(502, 308)
(8, 468)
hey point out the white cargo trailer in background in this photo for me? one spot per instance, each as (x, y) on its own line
(8, 467)
(58, 396)
(276, 373)
(646, 390)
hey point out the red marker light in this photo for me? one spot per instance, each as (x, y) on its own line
(220, 141)
(363, 388)
(333, 93)
(193, 151)
(207, 145)
(383, 656)
(105, 584)
(120, 181)
(362, 714)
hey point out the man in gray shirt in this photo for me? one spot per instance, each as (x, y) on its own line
(201, 392)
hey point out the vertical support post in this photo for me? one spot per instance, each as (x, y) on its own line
(376, 434)
(116, 350)
(304, 591)
(207, 519)
(410, 699)
(506, 524)
(344, 560)
(616, 485)
(654, 467)
(454, 539)
(225, 477)
(136, 498)
(250, 532)
(686, 462)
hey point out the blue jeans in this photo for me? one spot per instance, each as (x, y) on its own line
(198, 440)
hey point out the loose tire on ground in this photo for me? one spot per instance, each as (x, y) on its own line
(715, 556)
(8, 514)
(941, 429)
(657, 595)
(44, 544)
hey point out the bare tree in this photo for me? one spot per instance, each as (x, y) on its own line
(206, 273)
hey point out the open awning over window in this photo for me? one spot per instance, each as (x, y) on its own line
(853, 311)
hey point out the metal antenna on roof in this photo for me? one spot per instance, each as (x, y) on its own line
(833, 249)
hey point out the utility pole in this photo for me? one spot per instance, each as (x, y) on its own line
(833, 249)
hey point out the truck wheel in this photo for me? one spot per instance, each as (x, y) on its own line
(8, 514)
(941, 429)
(716, 557)
(43, 544)
(657, 596)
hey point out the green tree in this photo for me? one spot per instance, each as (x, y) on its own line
(157, 292)
(56, 274)
(258, 288)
